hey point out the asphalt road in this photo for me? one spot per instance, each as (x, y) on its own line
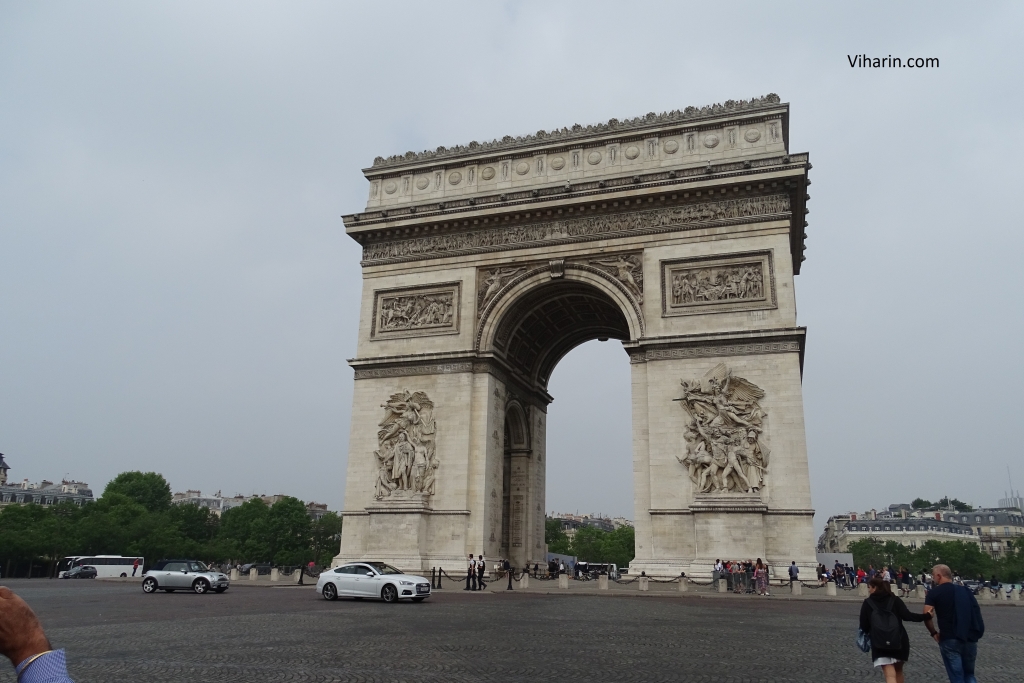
(112, 631)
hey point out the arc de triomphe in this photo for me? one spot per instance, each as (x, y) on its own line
(677, 234)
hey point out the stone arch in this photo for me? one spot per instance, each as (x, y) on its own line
(517, 427)
(544, 313)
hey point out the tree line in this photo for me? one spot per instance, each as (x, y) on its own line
(134, 516)
(966, 559)
(591, 544)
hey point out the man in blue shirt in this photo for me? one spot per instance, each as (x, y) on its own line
(23, 642)
(960, 624)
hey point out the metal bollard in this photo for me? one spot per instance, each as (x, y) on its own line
(602, 582)
(644, 583)
(830, 588)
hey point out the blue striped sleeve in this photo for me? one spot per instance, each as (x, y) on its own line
(50, 668)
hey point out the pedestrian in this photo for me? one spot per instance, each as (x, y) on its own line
(507, 566)
(881, 617)
(761, 577)
(135, 566)
(994, 585)
(470, 574)
(480, 566)
(960, 624)
(561, 567)
(23, 641)
(794, 573)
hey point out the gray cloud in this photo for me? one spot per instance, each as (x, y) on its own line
(177, 292)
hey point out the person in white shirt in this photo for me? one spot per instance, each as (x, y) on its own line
(471, 574)
(480, 567)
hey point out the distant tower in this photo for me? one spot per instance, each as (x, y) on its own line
(3, 471)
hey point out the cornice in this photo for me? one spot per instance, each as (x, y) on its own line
(578, 134)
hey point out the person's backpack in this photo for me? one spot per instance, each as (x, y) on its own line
(885, 626)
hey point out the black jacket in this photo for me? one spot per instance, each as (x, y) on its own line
(901, 611)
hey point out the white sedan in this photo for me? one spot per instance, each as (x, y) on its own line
(372, 580)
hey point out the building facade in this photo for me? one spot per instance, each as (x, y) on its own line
(44, 493)
(995, 530)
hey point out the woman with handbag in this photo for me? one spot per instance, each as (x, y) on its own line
(881, 622)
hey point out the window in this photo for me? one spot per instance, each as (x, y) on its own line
(977, 518)
(1006, 531)
(991, 518)
(174, 566)
(888, 529)
(864, 527)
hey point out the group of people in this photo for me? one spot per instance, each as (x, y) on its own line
(952, 606)
(743, 577)
(476, 570)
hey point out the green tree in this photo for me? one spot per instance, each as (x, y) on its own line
(326, 535)
(244, 529)
(555, 537)
(195, 522)
(920, 504)
(289, 528)
(148, 489)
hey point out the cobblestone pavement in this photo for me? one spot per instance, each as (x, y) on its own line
(112, 631)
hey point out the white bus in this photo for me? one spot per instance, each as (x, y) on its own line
(106, 565)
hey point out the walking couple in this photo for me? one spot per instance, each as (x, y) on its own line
(475, 574)
(953, 606)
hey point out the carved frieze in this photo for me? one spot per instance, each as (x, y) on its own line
(725, 434)
(416, 311)
(490, 281)
(739, 282)
(566, 230)
(406, 461)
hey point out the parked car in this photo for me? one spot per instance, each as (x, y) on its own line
(372, 580)
(172, 575)
(82, 571)
(973, 586)
(260, 567)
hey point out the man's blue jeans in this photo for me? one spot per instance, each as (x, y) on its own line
(959, 656)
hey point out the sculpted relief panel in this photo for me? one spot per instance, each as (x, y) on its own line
(707, 285)
(416, 311)
(725, 439)
(406, 462)
(577, 229)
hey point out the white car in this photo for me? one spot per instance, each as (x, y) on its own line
(372, 580)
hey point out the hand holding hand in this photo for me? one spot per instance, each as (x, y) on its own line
(21, 634)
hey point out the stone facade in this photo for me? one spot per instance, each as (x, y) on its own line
(677, 234)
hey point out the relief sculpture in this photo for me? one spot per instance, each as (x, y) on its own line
(491, 282)
(416, 311)
(406, 463)
(577, 228)
(744, 281)
(725, 448)
(627, 269)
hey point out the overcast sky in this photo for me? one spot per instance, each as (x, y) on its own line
(177, 292)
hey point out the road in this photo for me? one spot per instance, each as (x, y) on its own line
(112, 631)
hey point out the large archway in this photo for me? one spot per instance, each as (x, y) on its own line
(678, 235)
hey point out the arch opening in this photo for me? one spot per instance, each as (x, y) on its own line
(548, 321)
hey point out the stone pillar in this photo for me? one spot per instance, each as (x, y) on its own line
(234, 574)
(684, 584)
(253, 574)
(295, 574)
(1014, 595)
(919, 591)
(862, 590)
(723, 585)
(644, 583)
(602, 582)
(563, 580)
(524, 580)
(985, 594)
(275, 574)
(798, 588)
(830, 588)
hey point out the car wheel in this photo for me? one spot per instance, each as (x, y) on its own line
(201, 586)
(123, 575)
(418, 599)
(149, 585)
(389, 593)
(330, 592)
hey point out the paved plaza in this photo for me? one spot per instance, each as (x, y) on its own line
(112, 631)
